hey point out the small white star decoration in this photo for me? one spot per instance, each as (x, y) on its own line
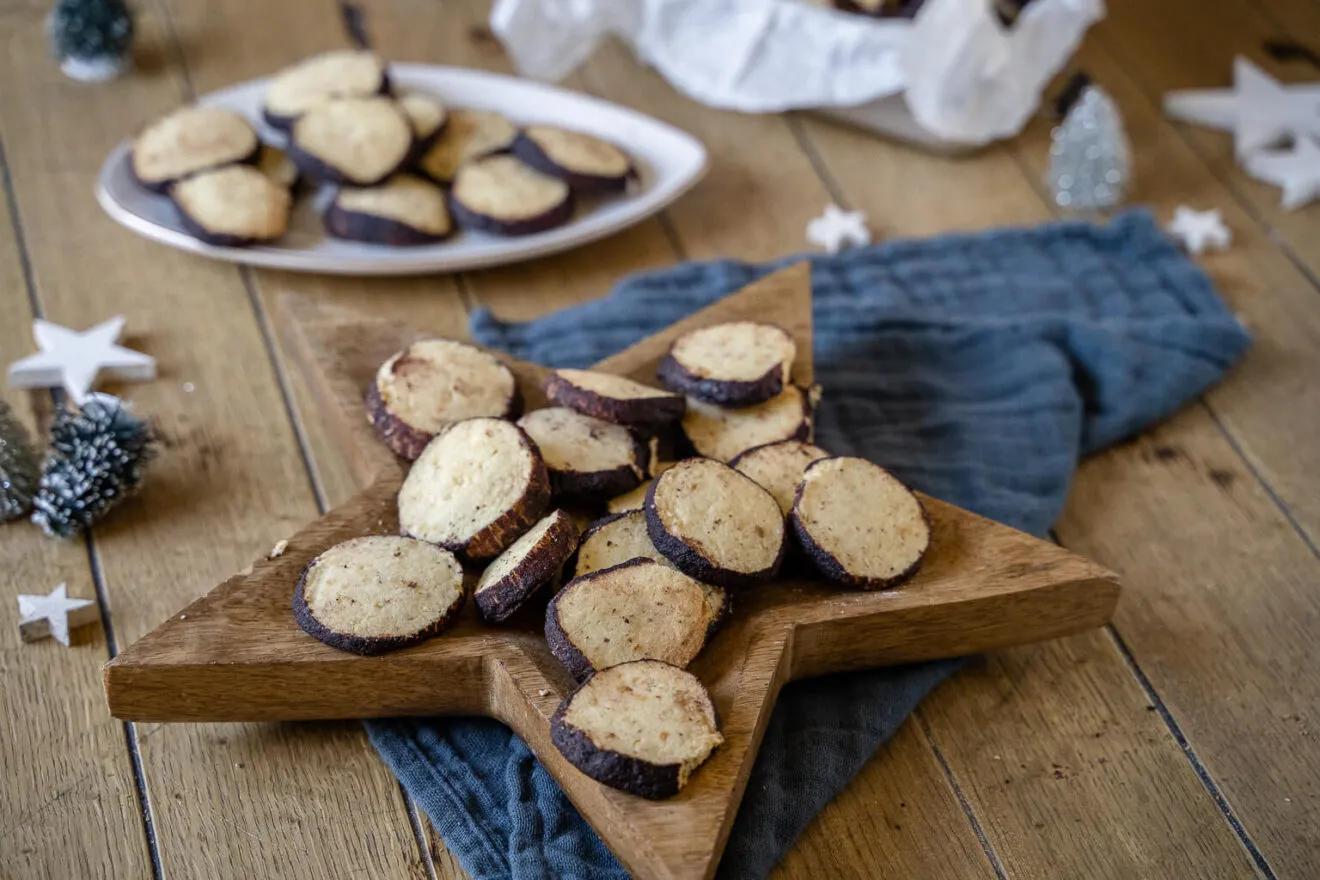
(1261, 113)
(75, 360)
(1295, 171)
(837, 228)
(1199, 230)
(53, 615)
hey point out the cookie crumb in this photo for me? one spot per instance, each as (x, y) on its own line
(278, 550)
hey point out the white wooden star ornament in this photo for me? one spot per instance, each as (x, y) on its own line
(76, 360)
(1199, 231)
(837, 228)
(53, 615)
(1295, 170)
(1259, 110)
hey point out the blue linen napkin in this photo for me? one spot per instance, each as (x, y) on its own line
(976, 367)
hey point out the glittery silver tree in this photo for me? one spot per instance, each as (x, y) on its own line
(18, 466)
(1090, 161)
(97, 455)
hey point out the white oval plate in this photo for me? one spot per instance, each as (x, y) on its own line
(669, 162)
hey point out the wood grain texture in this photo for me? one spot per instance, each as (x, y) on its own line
(229, 475)
(968, 731)
(63, 758)
(237, 653)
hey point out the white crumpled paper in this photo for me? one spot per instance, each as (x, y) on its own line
(965, 78)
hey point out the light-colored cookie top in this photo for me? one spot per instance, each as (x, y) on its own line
(640, 610)
(469, 134)
(425, 113)
(612, 386)
(469, 476)
(721, 514)
(362, 138)
(404, 198)
(382, 586)
(435, 382)
(276, 164)
(860, 514)
(191, 139)
(578, 152)
(648, 710)
(342, 73)
(621, 538)
(572, 442)
(738, 351)
(722, 433)
(778, 467)
(235, 200)
(505, 188)
(633, 499)
(520, 549)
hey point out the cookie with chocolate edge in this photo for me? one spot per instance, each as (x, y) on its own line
(859, 524)
(715, 524)
(778, 467)
(378, 593)
(641, 727)
(586, 163)
(475, 489)
(468, 135)
(722, 433)
(352, 141)
(232, 206)
(738, 363)
(405, 210)
(343, 73)
(503, 196)
(190, 140)
(614, 398)
(433, 383)
(638, 609)
(528, 565)
(588, 458)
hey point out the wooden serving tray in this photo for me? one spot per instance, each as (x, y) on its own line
(237, 655)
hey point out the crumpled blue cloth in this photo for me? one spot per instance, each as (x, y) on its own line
(979, 368)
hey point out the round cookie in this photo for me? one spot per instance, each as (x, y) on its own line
(428, 118)
(641, 727)
(614, 398)
(530, 563)
(721, 433)
(636, 610)
(189, 140)
(374, 594)
(467, 135)
(588, 458)
(586, 163)
(344, 73)
(715, 524)
(620, 537)
(859, 524)
(352, 141)
(232, 206)
(476, 487)
(430, 385)
(404, 210)
(778, 467)
(734, 364)
(503, 196)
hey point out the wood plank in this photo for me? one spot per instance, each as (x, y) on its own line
(1137, 36)
(64, 759)
(523, 292)
(1270, 404)
(1223, 603)
(989, 712)
(229, 478)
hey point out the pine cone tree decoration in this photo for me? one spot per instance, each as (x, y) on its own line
(96, 460)
(18, 466)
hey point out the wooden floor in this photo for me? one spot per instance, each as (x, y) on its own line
(1183, 741)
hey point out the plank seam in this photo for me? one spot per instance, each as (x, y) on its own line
(1175, 730)
(93, 559)
(963, 802)
(817, 162)
(300, 436)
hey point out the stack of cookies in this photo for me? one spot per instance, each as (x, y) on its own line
(406, 169)
(709, 481)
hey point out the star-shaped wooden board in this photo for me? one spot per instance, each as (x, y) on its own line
(237, 655)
